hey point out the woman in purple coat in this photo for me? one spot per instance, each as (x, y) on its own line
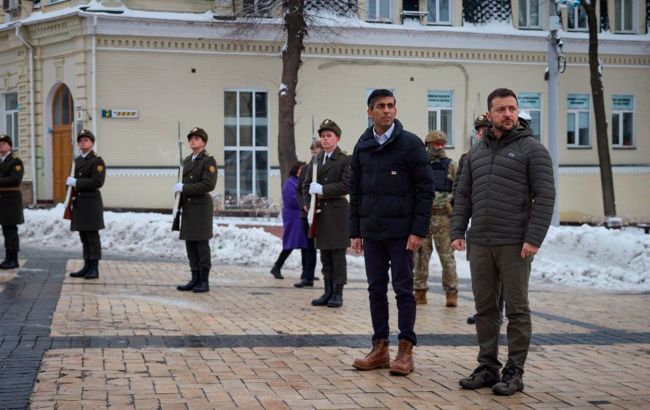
(293, 236)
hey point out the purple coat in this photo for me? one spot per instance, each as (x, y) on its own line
(293, 236)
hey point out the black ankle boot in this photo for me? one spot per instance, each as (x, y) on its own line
(203, 285)
(337, 297)
(325, 297)
(275, 271)
(82, 272)
(191, 284)
(93, 269)
(11, 261)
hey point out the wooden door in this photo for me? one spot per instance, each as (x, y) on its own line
(62, 114)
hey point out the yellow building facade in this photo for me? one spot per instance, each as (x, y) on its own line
(134, 71)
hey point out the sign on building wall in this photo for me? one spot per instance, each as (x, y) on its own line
(577, 101)
(622, 103)
(115, 113)
(439, 99)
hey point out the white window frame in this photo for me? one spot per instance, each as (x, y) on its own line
(253, 148)
(576, 12)
(620, 113)
(260, 8)
(9, 119)
(437, 111)
(575, 112)
(531, 109)
(378, 18)
(450, 5)
(620, 12)
(526, 13)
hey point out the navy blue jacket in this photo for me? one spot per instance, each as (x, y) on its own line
(391, 187)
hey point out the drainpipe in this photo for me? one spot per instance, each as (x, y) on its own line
(32, 127)
(94, 75)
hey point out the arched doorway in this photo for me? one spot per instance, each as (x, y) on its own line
(62, 140)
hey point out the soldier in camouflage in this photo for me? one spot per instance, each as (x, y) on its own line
(444, 173)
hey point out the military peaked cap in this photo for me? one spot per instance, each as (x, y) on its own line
(86, 133)
(481, 121)
(329, 125)
(199, 132)
(7, 139)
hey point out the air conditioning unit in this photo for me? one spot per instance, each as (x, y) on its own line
(10, 5)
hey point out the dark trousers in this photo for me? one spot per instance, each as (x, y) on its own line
(379, 256)
(92, 246)
(308, 255)
(335, 267)
(500, 270)
(12, 242)
(198, 252)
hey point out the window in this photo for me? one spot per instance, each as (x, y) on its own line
(380, 10)
(577, 18)
(439, 11)
(625, 15)
(9, 120)
(622, 121)
(578, 120)
(246, 130)
(257, 8)
(439, 107)
(532, 104)
(530, 13)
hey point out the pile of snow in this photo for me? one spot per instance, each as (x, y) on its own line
(573, 256)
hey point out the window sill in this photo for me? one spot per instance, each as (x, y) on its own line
(579, 147)
(624, 148)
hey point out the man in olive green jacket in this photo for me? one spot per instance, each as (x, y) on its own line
(199, 179)
(87, 204)
(11, 201)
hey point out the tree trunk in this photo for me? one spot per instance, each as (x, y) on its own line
(597, 95)
(295, 26)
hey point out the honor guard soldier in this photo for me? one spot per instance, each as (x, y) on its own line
(87, 204)
(11, 201)
(199, 179)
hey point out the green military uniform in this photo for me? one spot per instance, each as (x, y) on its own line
(88, 207)
(197, 209)
(11, 204)
(332, 237)
(444, 170)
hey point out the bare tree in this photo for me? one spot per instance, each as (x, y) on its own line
(597, 94)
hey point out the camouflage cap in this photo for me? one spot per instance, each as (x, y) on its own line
(436, 136)
(199, 132)
(481, 121)
(7, 139)
(86, 133)
(329, 125)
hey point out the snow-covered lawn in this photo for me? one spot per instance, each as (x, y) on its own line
(572, 256)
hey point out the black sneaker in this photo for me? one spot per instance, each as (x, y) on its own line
(483, 376)
(511, 381)
(304, 283)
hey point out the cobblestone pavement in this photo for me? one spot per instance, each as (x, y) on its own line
(130, 340)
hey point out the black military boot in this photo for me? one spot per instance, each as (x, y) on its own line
(80, 273)
(203, 285)
(191, 284)
(325, 297)
(93, 269)
(337, 297)
(275, 271)
(11, 260)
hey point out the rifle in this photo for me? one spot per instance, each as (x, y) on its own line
(176, 212)
(67, 213)
(313, 205)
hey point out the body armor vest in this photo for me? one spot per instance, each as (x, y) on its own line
(440, 170)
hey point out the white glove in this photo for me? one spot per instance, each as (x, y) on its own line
(71, 181)
(315, 188)
(178, 187)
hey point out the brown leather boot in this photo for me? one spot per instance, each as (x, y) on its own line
(452, 299)
(378, 358)
(420, 296)
(403, 363)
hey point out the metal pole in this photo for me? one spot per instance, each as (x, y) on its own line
(553, 103)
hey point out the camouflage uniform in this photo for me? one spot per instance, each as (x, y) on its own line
(440, 223)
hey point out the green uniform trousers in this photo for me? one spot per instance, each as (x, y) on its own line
(492, 266)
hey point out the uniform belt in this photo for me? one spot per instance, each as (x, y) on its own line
(440, 211)
(13, 188)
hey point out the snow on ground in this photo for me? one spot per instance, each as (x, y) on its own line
(582, 256)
